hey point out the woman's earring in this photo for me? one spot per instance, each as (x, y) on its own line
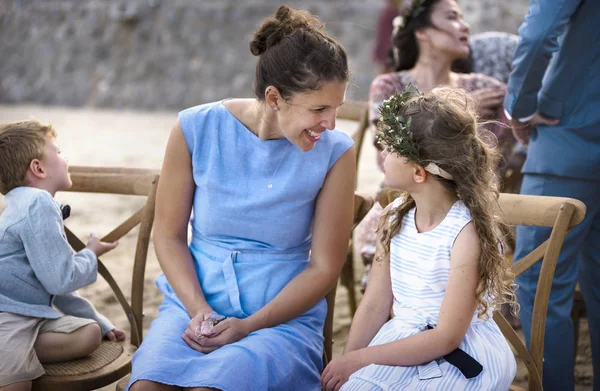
(275, 108)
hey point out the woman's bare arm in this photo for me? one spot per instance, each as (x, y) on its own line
(173, 208)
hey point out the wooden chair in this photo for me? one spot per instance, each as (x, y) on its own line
(359, 112)
(112, 360)
(562, 214)
(362, 205)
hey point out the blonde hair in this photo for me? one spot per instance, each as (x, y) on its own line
(446, 131)
(20, 143)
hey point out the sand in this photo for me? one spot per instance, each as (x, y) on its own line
(137, 139)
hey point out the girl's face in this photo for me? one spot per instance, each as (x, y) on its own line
(305, 116)
(398, 170)
(449, 33)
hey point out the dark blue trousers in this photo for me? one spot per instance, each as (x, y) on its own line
(579, 260)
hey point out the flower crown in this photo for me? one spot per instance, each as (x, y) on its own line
(394, 130)
(412, 10)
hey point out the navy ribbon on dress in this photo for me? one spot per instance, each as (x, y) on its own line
(466, 364)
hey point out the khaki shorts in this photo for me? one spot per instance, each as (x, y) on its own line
(18, 333)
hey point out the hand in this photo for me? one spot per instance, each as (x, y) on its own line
(99, 248)
(191, 334)
(489, 100)
(115, 335)
(228, 331)
(522, 130)
(339, 370)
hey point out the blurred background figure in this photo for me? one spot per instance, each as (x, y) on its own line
(383, 37)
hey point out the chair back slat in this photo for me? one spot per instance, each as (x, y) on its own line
(125, 227)
(352, 110)
(120, 183)
(141, 254)
(541, 211)
(529, 260)
(513, 338)
(112, 170)
(542, 294)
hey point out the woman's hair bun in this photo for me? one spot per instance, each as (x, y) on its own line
(283, 23)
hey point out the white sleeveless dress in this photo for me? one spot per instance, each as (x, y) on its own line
(420, 266)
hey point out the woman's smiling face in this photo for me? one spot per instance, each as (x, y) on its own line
(305, 116)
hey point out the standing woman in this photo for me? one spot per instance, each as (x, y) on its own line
(271, 191)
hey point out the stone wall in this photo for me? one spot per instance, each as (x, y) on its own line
(149, 54)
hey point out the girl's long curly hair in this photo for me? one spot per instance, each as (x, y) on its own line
(446, 132)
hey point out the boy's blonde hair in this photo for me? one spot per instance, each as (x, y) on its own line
(20, 143)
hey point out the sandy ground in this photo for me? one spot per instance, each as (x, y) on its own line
(137, 139)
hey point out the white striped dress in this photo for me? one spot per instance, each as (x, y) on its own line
(420, 266)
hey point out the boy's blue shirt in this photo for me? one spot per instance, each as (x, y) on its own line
(38, 268)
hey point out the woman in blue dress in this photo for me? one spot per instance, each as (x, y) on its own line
(269, 184)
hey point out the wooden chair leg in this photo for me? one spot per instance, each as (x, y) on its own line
(347, 279)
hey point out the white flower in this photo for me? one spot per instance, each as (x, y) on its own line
(397, 24)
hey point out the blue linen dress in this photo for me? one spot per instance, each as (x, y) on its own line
(419, 269)
(248, 241)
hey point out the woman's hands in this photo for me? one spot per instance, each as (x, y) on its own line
(339, 370)
(223, 333)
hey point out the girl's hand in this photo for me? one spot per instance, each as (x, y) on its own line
(227, 331)
(115, 335)
(339, 370)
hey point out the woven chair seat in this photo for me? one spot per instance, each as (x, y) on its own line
(106, 353)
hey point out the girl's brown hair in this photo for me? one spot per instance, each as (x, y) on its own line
(295, 54)
(446, 132)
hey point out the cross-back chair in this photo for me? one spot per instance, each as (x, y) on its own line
(362, 205)
(112, 360)
(359, 112)
(562, 214)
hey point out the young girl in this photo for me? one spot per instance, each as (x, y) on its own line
(438, 259)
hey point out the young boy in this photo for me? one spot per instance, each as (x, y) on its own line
(38, 269)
